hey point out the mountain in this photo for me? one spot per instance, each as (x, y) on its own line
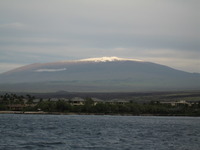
(106, 74)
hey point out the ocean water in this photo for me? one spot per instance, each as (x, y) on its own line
(90, 132)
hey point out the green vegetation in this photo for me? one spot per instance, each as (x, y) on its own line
(89, 106)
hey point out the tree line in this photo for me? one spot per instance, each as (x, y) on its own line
(91, 107)
(115, 108)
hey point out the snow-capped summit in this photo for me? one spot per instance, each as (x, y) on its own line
(108, 59)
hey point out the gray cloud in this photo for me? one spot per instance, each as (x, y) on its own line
(44, 30)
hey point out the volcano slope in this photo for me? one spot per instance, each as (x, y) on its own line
(106, 74)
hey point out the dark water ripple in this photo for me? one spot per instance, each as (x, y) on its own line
(73, 132)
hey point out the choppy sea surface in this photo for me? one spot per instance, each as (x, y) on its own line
(90, 132)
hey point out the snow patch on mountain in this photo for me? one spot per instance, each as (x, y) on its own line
(108, 59)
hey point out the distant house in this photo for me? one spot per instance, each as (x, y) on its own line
(117, 101)
(64, 99)
(54, 99)
(77, 101)
(36, 100)
(96, 100)
(19, 107)
(181, 102)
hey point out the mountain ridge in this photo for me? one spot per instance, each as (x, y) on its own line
(98, 74)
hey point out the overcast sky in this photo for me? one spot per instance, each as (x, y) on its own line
(162, 31)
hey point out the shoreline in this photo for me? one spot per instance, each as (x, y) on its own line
(72, 113)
